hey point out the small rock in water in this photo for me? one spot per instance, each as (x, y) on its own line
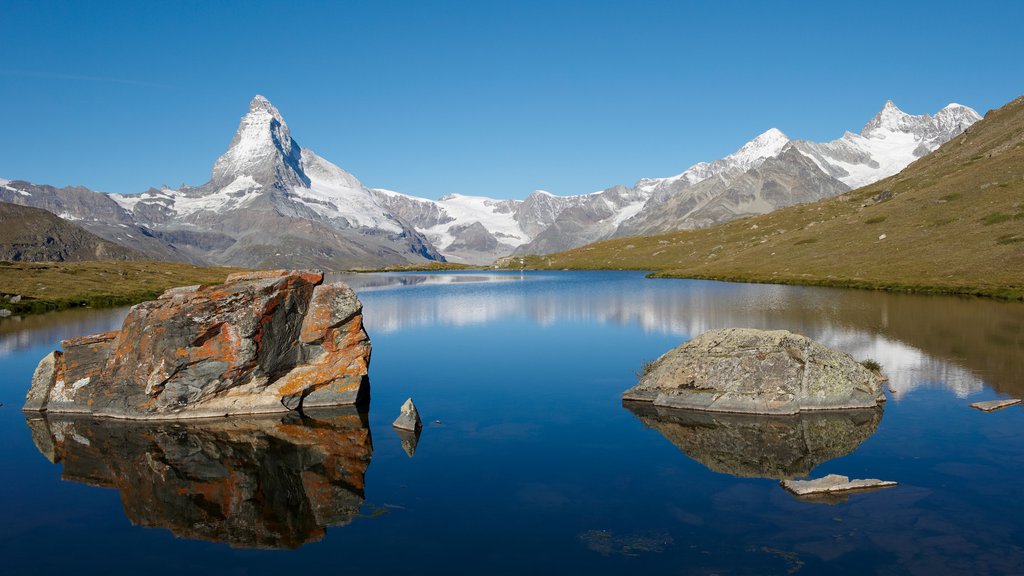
(4, 313)
(832, 483)
(993, 405)
(409, 418)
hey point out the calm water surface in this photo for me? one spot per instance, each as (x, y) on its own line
(529, 462)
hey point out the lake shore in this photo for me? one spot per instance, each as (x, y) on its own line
(51, 286)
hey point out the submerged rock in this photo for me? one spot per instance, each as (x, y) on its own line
(760, 446)
(252, 481)
(759, 372)
(408, 418)
(832, 483)
(993, 405)
(261, 342)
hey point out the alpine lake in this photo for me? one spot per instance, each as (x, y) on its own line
(529, 461)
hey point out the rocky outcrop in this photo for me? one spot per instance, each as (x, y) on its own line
(758, 372)
(760, 446)
(252, 481)
(261, 342)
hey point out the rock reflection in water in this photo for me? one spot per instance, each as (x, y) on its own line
(261, 482)
(755, 446)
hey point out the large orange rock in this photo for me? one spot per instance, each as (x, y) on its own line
(261, 342)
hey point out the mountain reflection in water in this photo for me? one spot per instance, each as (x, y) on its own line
(960, 344)
(250, 482)
(757, 446)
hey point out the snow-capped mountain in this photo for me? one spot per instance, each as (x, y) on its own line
(887, 144)
(271, 202)
(750, 155)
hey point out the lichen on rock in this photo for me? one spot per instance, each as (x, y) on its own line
(266, 341)
(758, 372)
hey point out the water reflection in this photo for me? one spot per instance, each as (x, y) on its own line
(20, 332)
(956, 343)
(754, 446)
(256, 482)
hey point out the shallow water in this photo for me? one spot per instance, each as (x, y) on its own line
(529, 461)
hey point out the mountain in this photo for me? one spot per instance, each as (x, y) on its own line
(97, 213)
(272, 203)
(953, 221)
(887, 144)
(773, 172)
(36, 235)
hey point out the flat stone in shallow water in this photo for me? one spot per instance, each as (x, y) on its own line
(993, 405)
(757, 372)
(832, 483)
(267, 341)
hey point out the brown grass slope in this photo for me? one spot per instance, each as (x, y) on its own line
(952, 222)
(34, 235)
(58, 285)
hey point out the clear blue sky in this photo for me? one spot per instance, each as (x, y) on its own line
(493, 98)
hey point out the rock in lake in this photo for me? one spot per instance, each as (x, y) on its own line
(408, 418)
(757, 372)
(993, 405)
(833, 483)
(261, 342)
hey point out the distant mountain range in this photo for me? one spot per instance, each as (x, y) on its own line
(272, 203)
(952, 222)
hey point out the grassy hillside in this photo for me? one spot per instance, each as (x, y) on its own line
(952, 222)
(34, 235)
(49, 286)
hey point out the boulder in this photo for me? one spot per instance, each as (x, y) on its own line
(408, 418)
(262, 342)
(757, 372)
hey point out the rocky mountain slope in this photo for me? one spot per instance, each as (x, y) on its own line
(35, 235)
(952, 221)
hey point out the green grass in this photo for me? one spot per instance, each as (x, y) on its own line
(51, 286)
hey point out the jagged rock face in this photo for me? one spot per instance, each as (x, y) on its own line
(261, 342)
(754, 446)
(751, 371)
(252, 482)
(262, 150)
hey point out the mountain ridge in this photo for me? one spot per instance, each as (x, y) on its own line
(271, 202)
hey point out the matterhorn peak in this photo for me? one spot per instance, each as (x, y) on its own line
(262, 149)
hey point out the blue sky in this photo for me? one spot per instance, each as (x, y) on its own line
(491, 98)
